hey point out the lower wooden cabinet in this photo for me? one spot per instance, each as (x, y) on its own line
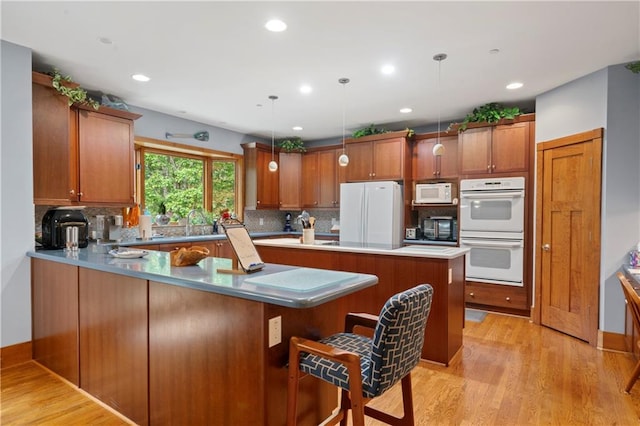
(54, 295)
(217, 248)
(114, 341)
(499, 297)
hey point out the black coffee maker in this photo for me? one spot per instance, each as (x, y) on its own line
(55, 223)
(287, 222)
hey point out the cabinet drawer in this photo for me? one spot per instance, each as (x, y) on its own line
(496, 295)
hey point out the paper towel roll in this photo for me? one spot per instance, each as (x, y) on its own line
(145, 227)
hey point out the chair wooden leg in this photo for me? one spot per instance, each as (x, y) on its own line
(345, 405)
(633, 378)
(407, 418)
(292, 386)
(355, 393)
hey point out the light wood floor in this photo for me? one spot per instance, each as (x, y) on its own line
(510, 372)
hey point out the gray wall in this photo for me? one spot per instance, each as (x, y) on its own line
(16, 194)
(607, 98)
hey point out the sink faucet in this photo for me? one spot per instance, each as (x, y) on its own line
(190, 216)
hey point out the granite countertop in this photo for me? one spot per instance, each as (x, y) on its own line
(435, 252)
(275, 284)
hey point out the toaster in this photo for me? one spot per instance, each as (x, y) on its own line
(412, 233)
(55, 223)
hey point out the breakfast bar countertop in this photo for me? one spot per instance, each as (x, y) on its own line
(276, 284)
(434, 252)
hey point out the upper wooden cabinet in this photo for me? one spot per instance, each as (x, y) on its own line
(503, 148)
(321, 178)
(80, 155)
(261, 184)
(428, 166)
(379, 157)
(290, 166)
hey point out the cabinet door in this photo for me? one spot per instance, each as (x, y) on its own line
(360, 161)
(510, 148)
(55, 156)
(267, 182)
(106, 158)
(425, 164)
(475, 151)
(113, 341)
(388, 159)
(448, 163)
(327, 179)
(224, 249)
(310, 180)
(54, 295)
(289, 182)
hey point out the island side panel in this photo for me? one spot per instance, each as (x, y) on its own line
(54, 293)
(113, 341)
(205, 364)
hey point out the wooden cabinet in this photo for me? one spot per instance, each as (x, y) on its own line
(290, 167)
(494, 149)
(114, 341)
(261, 185)
(321, 178)
(80, 155)
(54, 295)
(379, 157)
(217, 248)
(428, 166)
(505, 298)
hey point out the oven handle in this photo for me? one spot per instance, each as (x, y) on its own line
(484, 196)
(485, 243)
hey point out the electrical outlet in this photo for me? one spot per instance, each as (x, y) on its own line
(275, 331)
(261, 221)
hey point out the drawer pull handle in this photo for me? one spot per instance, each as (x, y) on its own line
(471, 295)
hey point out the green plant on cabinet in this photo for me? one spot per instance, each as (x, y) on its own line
(75, 94)
(488, 113)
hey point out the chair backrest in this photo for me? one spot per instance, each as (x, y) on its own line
(399, 337)
(632, 298)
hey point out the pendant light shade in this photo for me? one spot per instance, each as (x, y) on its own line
(273, 166)
(343, 160)
(438, 148)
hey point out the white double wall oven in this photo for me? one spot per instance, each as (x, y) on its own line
(492, 227)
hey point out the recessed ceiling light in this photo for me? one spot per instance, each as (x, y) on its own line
(514, 85)
(275, 25)
(297, 128)
(305, 88)
(140, 77)
(388, 69)
(406, 110)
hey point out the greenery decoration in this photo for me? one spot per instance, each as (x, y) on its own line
(292, 145)
(369, 130)
(634, 67)
(75, 94)
(489, 113)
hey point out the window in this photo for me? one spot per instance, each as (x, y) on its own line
(180, 178)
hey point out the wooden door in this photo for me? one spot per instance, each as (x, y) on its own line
(425, 164)
(388, 158)
(310, 175)
(510, 148)
(475, 151)
(289, 181)
(267, 189)
(568, 234)
(360, 157)
(327, 180)
(106, 158)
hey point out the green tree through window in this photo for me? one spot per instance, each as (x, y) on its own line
(224, 186)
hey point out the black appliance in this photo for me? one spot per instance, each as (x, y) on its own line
(54, 227)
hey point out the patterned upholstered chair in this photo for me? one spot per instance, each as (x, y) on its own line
(365, 367)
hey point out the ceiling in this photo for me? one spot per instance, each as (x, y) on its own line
(214, 62)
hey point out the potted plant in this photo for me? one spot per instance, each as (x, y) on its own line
(369, 130)
(634, 67)
(74, 93)
(489, 113)
(292, 145)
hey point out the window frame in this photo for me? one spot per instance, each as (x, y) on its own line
(208, 156)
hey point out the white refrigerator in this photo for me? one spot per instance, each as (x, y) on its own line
(371, 213)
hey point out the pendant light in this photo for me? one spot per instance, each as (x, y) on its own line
(273, 166)
(343, 160)
(438, 148)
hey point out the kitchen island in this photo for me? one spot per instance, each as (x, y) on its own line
(184, 345)
(397, 269)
